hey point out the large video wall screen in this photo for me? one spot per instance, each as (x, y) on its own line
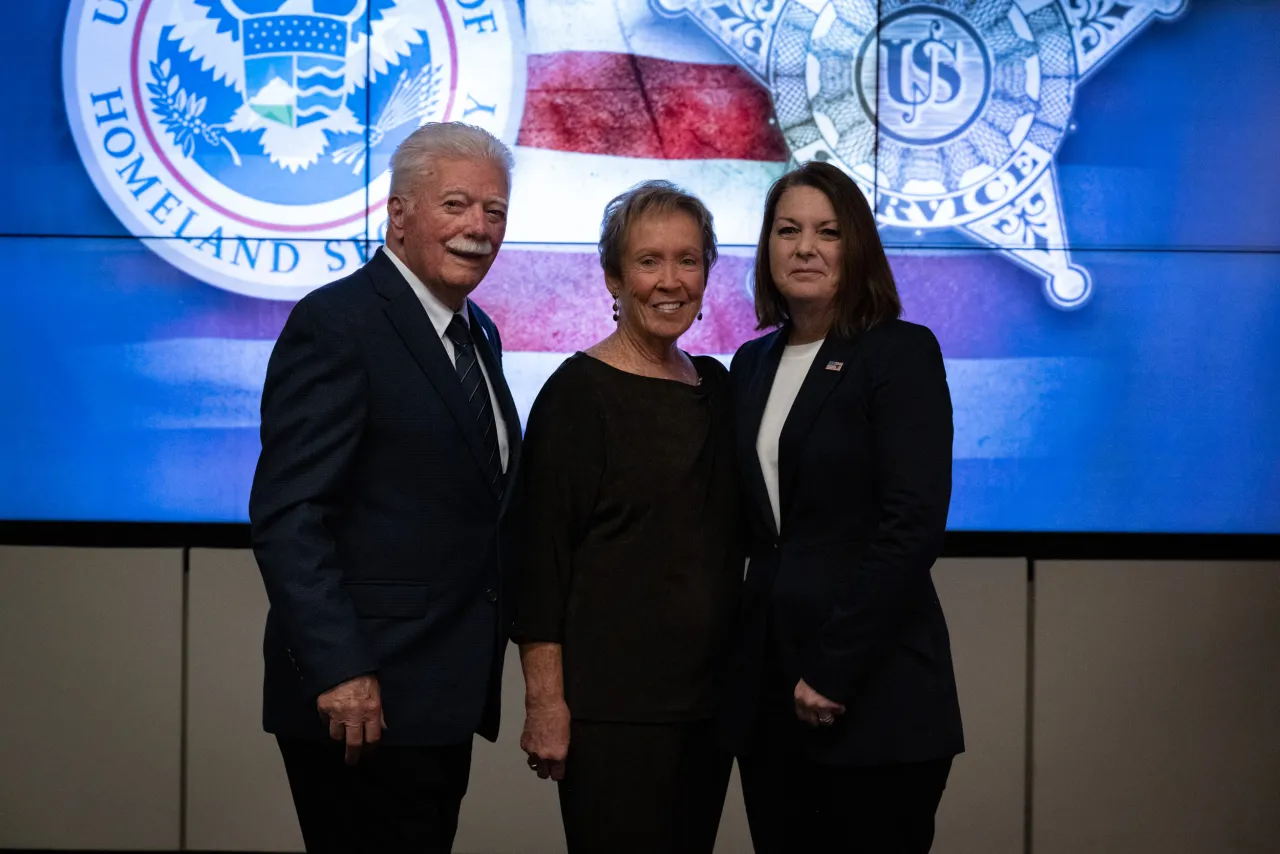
(1078, 198)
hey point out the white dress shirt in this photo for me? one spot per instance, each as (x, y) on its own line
(440, 316)
(792, 370)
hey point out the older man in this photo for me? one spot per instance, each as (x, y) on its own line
(380, 511)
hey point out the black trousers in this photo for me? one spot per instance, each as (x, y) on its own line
(643, 788)
(794, 804)
(394, 799)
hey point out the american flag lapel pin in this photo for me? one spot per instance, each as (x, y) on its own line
(835, 366)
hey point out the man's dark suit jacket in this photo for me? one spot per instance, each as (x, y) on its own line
(383, 547)
(842, 597)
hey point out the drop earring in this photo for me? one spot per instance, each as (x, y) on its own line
(699, 315)
(615, 308)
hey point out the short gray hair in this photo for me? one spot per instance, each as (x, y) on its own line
(448, 141)
(645, 198)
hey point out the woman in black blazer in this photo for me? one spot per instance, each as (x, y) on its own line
(841, 701)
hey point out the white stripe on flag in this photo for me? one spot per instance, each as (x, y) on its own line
(617, 26)
(559, 196)
(214, 383)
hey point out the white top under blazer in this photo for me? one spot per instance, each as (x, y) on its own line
(794, 367)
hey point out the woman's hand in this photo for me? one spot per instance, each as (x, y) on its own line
(546, 738)
(546, 714)
(813, 708)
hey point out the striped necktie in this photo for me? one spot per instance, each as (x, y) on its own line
(476, 390)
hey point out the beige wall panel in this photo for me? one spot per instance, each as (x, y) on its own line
(237, 793)
(734, 836)
(91, 654)
(985, 601)
(507, 808)
(1156, 708)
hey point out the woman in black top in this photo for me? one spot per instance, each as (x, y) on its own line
(631, 557)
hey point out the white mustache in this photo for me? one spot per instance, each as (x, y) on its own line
(467, 246)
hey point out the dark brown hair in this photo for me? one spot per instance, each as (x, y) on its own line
(650, 197)
(866, 294)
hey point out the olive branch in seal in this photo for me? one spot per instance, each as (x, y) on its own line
(180, 113)
(412, 99)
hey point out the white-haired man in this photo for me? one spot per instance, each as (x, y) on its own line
(381, 513)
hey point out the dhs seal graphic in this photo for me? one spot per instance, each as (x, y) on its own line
(248, 141)
(947, 113)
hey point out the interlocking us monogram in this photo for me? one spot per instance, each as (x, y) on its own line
(930, 77)
(925, 75)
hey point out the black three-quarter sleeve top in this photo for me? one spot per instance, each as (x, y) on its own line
(631, 553)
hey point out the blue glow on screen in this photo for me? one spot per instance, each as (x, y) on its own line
(1078, 197)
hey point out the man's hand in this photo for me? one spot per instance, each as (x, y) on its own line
(354, 712)
(546, 738)
(813, 708)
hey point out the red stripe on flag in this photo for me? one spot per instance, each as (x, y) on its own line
(636, 106)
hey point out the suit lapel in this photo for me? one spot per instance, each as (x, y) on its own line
(831, 364)
(414, 328)
(760, 384)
